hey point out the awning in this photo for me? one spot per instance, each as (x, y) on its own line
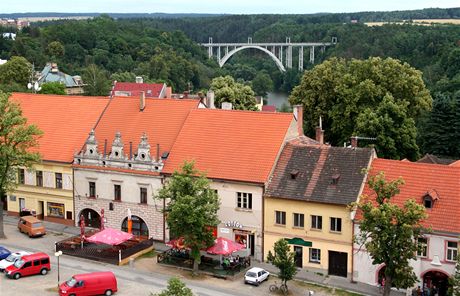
(224, 246)
(110, 236)
(298, 241)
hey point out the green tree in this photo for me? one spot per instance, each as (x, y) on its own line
(53, 88)
(284, 259)
(348, 94)
(96, 81)
(175, 288)
(55, 49)
(454, 290)
(16, 70)
(262, 84)
(16, 139)
(226, 89)
(192, 209)
(390, 232)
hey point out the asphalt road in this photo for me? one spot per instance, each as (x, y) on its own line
(130, 282)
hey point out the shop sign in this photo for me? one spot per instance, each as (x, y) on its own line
(234, 224)
(224, 230)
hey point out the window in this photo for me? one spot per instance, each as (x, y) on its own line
(92, 189)
(428, 202)
(422, 247)
(244, 200)
(298, 220)
(315, 255)
(58, 177)
(45, 260)
(143, 195)
(280, 218)
(56, 210)
(36, 262)
(316, 222)
(117, 192)
(452, 251)
(21, 176)
(27, 264)
(336, 224)
(39, 178)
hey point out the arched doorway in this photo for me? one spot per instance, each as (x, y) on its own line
(92, 218)
(437, 278)
(139, 226)
(381, 276)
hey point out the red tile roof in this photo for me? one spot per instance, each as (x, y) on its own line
(161, 120)
(151, 90)
(420, 179)
(231, 145)
(65, 121)
(269, 108)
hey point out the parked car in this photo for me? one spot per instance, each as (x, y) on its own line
(38, 263)
(255, 276)
(11, 259)
(31, 226)
(95, 283)
(4, 253)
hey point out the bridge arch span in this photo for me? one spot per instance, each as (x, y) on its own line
(279, 64)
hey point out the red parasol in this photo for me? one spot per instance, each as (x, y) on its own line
(82, 227)
(177, 243)
(110, 236)
(224, 246)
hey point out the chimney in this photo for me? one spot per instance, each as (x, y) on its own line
(298, 115)
(210, 100)
(227, 106)
(139, 79)
(354, 141)
(105, 148)
(320, 132)
(130, 150)
(142, 101)
(158, 152)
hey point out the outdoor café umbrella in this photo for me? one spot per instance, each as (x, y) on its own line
(224, 246)
(110, 236)
(177, 243)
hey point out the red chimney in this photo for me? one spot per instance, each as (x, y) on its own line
(298, 114)
(320, 132)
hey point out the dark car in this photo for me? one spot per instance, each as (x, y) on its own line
(4, 252)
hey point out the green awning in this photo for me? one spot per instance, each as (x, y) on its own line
(298, 241)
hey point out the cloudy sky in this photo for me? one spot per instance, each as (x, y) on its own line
(219, 6)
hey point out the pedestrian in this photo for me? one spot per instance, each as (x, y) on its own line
(419, 291)
(434, 291)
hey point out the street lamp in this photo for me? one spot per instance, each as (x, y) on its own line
(58, 254)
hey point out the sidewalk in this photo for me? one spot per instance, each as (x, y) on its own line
(302, 274)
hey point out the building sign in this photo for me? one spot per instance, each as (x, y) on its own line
(234, 224)
(224, 230)
(55, 210)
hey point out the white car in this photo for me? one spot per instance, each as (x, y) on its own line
(11, 259)
(255, 276)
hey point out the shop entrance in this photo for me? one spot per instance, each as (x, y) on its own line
(41, 210)
(92, 218)
(338, 263)
(298, 256)
(438, 279)
(247, 239)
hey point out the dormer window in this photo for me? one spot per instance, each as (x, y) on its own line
(427, 201)
(335, 179)
(294, 174)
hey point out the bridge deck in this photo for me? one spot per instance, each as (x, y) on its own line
(268, 44)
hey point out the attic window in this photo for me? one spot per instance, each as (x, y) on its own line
(335, 179)
(427, 201)
(294, 174)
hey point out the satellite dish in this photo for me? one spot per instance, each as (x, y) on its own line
(36, 87)
(29, 85)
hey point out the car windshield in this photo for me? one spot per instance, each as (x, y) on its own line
(71, 282)
(11, 258)
(36, 225)
(18, 263)
(251, 274)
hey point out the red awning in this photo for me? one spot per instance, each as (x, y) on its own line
(224, 246)
(110, 236)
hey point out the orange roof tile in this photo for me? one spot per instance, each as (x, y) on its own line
(420, 179)
(64, 120)
(161, 120)
(231, 145)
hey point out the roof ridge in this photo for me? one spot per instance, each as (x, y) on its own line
(246, 111)
(419, 164)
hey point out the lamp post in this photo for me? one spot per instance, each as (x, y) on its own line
(58, 254)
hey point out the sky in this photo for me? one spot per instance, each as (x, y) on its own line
(220, 6)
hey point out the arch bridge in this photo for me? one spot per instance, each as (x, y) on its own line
(280, 53)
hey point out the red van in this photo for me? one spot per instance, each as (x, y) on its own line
(94, 283)
(38, 263)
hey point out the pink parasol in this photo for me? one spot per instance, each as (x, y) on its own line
(177, 243)
(82, 227)
(110, 236)
(224, 246)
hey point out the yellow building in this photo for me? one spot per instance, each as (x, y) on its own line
(47, 188)
(306, 202)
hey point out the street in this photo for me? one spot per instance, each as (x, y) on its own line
(129, 282)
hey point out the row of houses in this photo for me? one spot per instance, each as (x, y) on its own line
(273, 182)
